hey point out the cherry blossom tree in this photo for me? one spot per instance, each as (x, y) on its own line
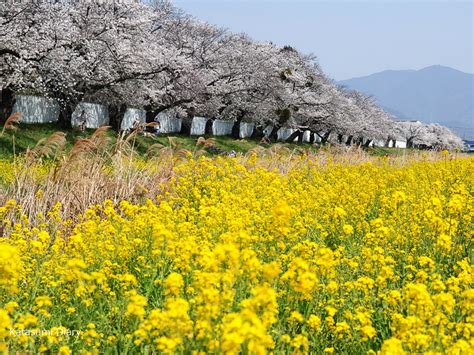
(154, 56)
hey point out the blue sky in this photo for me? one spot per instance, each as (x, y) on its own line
(354, 38)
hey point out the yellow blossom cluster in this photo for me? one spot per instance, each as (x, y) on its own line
(10, 170)
(237, 256)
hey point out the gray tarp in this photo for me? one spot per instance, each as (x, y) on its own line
(246, 129)
(222, 127)
(306, 136)
(268, 130)
(198, 126)
(96, 115)
(168, 123)
(379, 143)
(283, 133)
(130, 116)
(36, 109)
(400, 144)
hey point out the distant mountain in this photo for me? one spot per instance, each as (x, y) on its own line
(435, 94)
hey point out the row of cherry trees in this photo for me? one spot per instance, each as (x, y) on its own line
(153, 56)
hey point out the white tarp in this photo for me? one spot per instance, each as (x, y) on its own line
(284, 133)
(246, 129)
(306, 136)
(400, 144)
(95, 115)
(267, 131)
(379, 143)
(198, 126)
(130, 116)
(222, 127)
(168, 123)
(36, 109)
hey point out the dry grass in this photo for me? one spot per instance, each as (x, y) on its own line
(96, 169)
(174, 150)
(11, 122)
(281, 158)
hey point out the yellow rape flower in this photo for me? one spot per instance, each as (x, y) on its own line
(10, 267)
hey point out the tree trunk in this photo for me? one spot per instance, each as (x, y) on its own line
(367, 143)
(311, 138)
(7, 100)
(295, 134)
(236, 129)
(349, 140)
(257, 133)
(410, 143)
(65, 115)
(339, 138)
(320, 137)
(208, 129)
(325, 137)
(274, 133)
(186, 125)
(300, 137)
(116, 116)
(150, 114)
(113, 117)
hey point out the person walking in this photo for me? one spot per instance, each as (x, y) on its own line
(82, 121)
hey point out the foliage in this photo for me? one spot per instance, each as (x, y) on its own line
(156, 57)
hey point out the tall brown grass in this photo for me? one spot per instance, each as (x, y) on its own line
(96, 169)
(11, 122)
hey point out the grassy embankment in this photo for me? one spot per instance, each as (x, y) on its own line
(27, 136)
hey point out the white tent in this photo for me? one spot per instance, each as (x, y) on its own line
(400, 144)
(95, 115)
(284, 133)
(36, 109)
(222, 127)
(130, 116)
(168, 123)
(306, 136)
(198, 126)
(246, 129)
(267, 131)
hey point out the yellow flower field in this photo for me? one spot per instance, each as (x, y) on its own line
(242, 255)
